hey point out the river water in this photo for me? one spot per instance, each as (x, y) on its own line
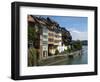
(80, 59)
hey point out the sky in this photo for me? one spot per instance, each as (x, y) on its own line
(76, 25)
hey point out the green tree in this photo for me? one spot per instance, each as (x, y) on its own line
(56, 52)
(34, 35)
(66, 37)
(32, 57)
(31, 33)
(77, 45)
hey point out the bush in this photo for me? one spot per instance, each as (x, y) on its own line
(50, 54)
(77, 45)
(32, 57)
(69, 50)
(65, 51)
(56, 52)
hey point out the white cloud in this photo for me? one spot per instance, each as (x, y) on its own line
(78, 35)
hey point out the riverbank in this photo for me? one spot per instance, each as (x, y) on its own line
(57, 58)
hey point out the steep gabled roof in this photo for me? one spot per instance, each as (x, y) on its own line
(31, 19)
(51, 24)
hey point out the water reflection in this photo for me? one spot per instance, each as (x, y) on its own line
(81, 59)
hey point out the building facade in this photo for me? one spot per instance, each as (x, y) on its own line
(44, 44)
(50, 37)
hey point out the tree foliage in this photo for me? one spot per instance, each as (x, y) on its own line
(32, 57)
(77, 45)
(31, 33)
(56, 52)
(66, 37)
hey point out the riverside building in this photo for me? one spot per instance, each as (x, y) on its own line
(49, 38)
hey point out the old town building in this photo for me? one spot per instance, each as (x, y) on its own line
(48, 38)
